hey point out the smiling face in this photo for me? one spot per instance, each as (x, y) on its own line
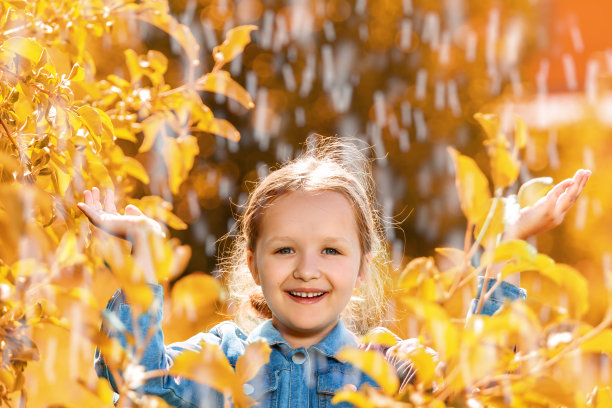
(307, 260)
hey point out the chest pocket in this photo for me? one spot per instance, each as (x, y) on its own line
(264, 389)
(331, 381)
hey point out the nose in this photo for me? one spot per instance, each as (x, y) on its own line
(307, 267)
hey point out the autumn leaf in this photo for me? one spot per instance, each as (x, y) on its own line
(208, 366)
(520, 133)
(222, 83)
(504, 167)
(533, 190)
(355, 398)
(24, 47)
(256, 355)
(219, 127)
(373, 364)
(472, 187)
(235, 41)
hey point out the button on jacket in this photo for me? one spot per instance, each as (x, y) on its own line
(294, 377)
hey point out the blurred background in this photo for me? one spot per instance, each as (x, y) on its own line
(406, 76)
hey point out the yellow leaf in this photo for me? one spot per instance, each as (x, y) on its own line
(135, 169)
(208, 366)
(472, 187)
(219, 127)
(90, 117)
(490, 124)
(179, 155)
(133, 65)
(572, 283)
(454, 255)
(222, 83)
(495, 225)
(384, 338)
(604, 397)
(157, 61)
(520, 133)
(423, 361)
(504, 167)
(373, 364)
(534, 189)
(515, 249)
(601, 343)
(193, 294)
(25, 47)
(235, 40)
(256, 355)
(150, 127)
(355, 398)
(77, 73)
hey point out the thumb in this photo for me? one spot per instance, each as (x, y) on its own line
(132, 210)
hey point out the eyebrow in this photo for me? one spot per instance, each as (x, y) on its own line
(325, 239)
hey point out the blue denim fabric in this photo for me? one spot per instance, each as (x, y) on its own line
(294, 377)
(504, 292)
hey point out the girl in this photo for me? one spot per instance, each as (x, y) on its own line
(310, 258)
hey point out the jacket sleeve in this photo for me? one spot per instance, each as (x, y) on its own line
(120, 324)
(504, 292)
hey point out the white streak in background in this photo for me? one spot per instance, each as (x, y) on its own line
(302, 24)
(590, 80)
(210, 38)
(233, 146)
(260, 127)
(444, 53)
(300, 116)
(542, 78)
(267, 27)
(439, 95)
(439, 158)
(236, 65)
(576, 36)
(219, 98)
(308, 75)
(492, 37)
(226, 187)
(404, 140)
(289, 78)
(606, 263)
(284, 151)
(406, 113)
(597, 207)
(280, 38)
(397, 253)
(453, 97)
(262, 170)
(431, 30)
(569, 69)
(364, 33)
(405, 39)
(588, 158)
(342, 96)
(552, 150)
(228, 25)
(454, 14)
(50, 355)
(251, 83)
(375, 138)
(393, 125)
(75, 341)
(420, 87)
(420, 125)
(582, 209)
(193, 204)
(530, 151)
(330, 32)
(515, 81)
(380, 112)
(513, 38)
(360, 6)
(471, 42)
(222, 6)
(407, 7)
(608, 57)
(327, 59)
(210, 245)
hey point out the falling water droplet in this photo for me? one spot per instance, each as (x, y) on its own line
(406, 113)
(308, 75)
(289, 78)
(404, 140)
(300, 116)
(421, 125)
(266, 31)
(379, 109)
(327, 59)
(330, 32)
(420, 88)
(439, 95)
(552, 150)
(405, 39)
(453, 98)
(569, 69)
(590, 81)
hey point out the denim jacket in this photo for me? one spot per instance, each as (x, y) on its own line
(294, 377)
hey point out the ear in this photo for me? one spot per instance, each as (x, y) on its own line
(252, 266)
(364, 269)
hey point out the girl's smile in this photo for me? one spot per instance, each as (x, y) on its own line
(308, 261)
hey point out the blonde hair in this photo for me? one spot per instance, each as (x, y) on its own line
(326, 164)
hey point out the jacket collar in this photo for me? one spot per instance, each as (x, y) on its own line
(338, 338)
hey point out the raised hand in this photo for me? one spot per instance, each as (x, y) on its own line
(550, 210)
(132, 225)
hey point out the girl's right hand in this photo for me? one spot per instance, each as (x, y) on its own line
(132, 225)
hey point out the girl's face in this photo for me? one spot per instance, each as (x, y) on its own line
(307, 260)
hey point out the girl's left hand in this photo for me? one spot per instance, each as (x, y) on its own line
(549, 211)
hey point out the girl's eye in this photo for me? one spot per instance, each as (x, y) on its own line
(330, 251)
(284, 251)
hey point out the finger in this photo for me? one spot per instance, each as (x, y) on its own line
(89, 213)
(95, 192)
(553, 195)
(109, 202)
(567, 199)
(132, 210)
(88, 198)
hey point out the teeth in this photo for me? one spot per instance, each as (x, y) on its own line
(306, 295)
